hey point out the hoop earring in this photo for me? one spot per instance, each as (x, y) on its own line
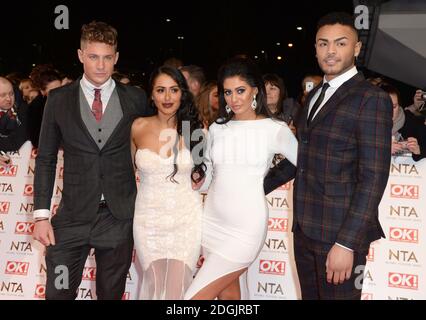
(228, 109)
(254, 103)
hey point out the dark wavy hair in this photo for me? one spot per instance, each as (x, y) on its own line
(187, 112)
(42, 74)
(248, 71)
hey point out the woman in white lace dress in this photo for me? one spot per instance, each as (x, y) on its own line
(167, 221)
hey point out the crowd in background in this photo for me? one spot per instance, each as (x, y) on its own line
(24, 106)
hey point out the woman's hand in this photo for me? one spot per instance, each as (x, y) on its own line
(196, 185)
(200, 261)
(413, 145)
(396, 147)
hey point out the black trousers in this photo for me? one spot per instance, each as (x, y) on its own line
(311, 257)
(112, 240)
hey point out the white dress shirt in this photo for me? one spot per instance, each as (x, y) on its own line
(89, 92)
(334, 85)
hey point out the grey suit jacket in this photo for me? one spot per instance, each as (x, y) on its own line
(88, 170)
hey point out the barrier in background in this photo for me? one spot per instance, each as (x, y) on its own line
(395, 268)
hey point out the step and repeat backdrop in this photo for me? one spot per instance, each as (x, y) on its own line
(395, 269)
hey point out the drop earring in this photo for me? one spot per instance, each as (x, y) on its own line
(228, 109)
(254, 103)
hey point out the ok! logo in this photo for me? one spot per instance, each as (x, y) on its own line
(278, 224)
(17, 268)
(404, 235)
(25, 228)
(403, 281)
(89, 273)
(4, 207)
(40, 291)
(272, 267)
(29, 190)
(404, 191)
(8, 171)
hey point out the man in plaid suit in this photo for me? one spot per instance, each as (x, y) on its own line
(344, 135)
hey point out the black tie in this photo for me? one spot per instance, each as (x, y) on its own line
(317, 103)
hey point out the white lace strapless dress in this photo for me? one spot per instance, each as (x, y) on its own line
(167, 225)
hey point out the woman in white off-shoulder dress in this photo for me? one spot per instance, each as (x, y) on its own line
(167, 221)
(240, 149)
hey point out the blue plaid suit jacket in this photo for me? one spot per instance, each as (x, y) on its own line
(342, 166)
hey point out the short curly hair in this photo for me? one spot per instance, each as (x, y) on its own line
(97, 31)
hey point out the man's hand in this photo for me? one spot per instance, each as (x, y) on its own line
(339, 264)
(43, 232)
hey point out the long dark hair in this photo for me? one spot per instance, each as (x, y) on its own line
(278, 82)
(248, 71)
(186, 112)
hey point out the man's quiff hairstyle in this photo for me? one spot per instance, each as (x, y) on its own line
(97, 31)
(342, 18)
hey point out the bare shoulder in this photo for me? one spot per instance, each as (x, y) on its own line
(141, 122)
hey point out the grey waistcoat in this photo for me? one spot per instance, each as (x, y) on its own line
(102, 130)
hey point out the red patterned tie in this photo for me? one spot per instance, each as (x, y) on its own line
(97, 105)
